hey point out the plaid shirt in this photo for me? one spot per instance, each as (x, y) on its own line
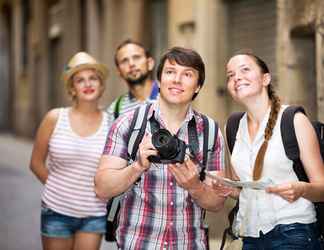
(156, 213)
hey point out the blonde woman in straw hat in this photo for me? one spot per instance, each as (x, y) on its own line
(68, 145)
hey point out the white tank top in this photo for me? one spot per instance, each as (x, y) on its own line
(72, 162)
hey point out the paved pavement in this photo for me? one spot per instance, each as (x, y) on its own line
(20, 194)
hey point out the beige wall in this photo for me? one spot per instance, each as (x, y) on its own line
(296, 54)
(200, 24)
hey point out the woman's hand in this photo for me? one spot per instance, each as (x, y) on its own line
(289, 191)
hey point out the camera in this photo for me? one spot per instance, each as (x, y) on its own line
(170, 148)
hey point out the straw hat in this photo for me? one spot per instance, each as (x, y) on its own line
(80, 61)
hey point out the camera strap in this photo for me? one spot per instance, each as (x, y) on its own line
(155, 125)
(210, 133)
(194, 146)
(193, 141)
(137, 131)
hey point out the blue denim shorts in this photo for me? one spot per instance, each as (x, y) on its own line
(57, 225)
(294, 236)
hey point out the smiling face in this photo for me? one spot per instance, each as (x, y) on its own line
(133, 64)
(245, 78)
(86, 85)
(178, 83)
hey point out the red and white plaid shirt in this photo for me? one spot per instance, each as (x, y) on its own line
(156, 213)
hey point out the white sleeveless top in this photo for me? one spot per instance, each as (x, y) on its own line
(72, 163)
(261, 211)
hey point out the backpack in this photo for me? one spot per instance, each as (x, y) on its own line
(137, 131)
(292, 152)
(117, 106)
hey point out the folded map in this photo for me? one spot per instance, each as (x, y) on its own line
(261, 184)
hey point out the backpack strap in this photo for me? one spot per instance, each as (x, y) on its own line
(288, 133)
(137, 129)
(210, 132)
(289, 140)
(210, 136)
(138, 126)
(117, 106)
(232, 126)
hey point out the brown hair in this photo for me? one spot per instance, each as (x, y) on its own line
(184, 57)
(130, 41)
(273, 117)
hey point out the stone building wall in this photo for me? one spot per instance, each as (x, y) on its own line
(42, 36)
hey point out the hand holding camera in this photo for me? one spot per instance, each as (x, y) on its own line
(146, 150)
(169, 147)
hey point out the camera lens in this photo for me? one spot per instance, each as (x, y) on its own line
(165, 143)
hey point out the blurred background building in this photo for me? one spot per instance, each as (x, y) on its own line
(37, 37)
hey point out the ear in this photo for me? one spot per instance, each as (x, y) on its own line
(73, 92)
(266, 79)
(150, 63)
(119, 72)
(197, 89)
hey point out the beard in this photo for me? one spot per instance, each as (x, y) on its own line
(139, 80)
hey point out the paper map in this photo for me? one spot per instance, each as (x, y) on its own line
(263, 184)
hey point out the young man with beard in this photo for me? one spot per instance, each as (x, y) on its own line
(163, 204)
(135, 65)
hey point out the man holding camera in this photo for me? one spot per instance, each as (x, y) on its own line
(164, 197)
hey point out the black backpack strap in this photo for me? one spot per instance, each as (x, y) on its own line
(232, 126)
(288, 134)
(289, 140)
(210, 132)
(137, 129)
(117, 106)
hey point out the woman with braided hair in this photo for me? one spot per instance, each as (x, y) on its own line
(282, 216)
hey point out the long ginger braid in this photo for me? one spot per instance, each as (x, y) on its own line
(275, 108)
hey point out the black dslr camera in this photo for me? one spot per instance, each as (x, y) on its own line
(170, 148)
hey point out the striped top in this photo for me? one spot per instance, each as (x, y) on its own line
(156, 213)
(129, 103)
(72, 163)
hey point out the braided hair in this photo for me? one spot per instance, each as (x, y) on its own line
(273, 117)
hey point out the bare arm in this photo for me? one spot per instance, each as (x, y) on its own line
(312, 162)
(310, 157)
(40, 149)
(114, 177)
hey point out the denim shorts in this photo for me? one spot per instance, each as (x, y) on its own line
(294, 236)
(57, 225)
